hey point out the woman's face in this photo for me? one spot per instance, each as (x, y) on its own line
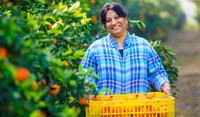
(116, 26)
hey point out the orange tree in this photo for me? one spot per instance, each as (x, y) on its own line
(40, 50)
(160, 17)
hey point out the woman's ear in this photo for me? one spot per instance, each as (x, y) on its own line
(105, 26)
(127, 22)
(126, 19)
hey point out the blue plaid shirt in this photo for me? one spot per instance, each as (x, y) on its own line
(139, 67)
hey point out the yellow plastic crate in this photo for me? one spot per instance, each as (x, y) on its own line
(132, 105)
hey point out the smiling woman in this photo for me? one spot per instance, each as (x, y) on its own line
(124, 63)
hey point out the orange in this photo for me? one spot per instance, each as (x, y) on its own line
(130, 109)
(5, 1)
(92, 1)
(35, 85)
(165, 62)
(120, 115)
(119, 109)
(162, 115)
(105, 98)
(150, 95)
(142, 16)
(107, 116)
(55, 89)
(152, 115)
(107, 109)
(66, 64)
(141, 97)
(9, 107)
(42, 113)
(3, 53)
(83, 101)
(155, 108)
(131, 97)
(22, 74)
(94, 19)
(43, 82)
(54, 41)
(156, 100)
(139, 115)
(50, 27)
(137, 109)
(149, 108)
(95, 98)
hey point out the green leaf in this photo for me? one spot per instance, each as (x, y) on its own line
(94, 75)
(74, 7)
(104, 91)
(89, 70)
(71, 99)
(79, 53)
(49, 17)
(55, 31)
(68, 51)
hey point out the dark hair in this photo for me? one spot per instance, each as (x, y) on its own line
(120, 11)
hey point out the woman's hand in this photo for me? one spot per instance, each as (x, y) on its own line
(166, 88)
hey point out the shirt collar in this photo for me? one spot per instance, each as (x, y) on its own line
(113, 43)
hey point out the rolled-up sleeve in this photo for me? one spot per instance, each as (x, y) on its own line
(156, 72)
(89, 61)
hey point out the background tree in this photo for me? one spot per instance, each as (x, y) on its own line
(160, 17)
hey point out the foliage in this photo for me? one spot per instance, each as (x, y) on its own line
(168, 57)
(44, 40)
(159, 16)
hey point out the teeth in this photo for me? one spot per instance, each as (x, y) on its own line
(115, 27)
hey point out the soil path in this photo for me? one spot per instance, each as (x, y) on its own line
(186, 45)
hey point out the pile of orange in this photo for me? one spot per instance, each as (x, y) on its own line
(112, 104)
(150, 95)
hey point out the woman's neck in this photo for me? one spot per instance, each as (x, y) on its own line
(120, 45)
(120, 40)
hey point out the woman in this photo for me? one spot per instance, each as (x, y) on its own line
(123, 62)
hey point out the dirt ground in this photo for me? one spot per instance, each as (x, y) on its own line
(186, 45)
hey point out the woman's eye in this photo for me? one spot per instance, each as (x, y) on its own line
(108, 20)
(116, 17)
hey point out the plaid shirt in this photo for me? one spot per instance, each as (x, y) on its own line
(132, 73)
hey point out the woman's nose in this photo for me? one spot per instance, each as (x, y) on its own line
(113, 22)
